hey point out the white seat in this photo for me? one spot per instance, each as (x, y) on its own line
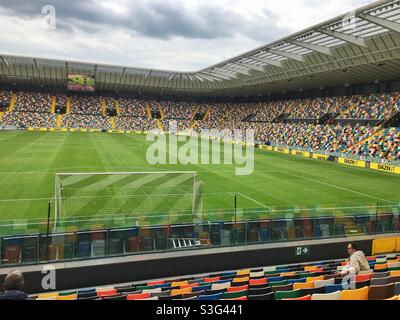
(220, 286)
(327, 296)
(156, 290)
(394, 265)
(366, 272)
(323, 283)
(270, 269)
(257, 274)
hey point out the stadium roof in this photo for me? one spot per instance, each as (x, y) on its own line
(358, 47)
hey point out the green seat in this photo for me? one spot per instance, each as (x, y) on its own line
(144, 287)
(277, 283)
(234, 295)
(287, 294)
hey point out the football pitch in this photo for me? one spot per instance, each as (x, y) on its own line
(279, 183)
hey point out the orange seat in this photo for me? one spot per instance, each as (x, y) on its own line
(357, 294)
(181, 291)
(107, 293)
(313, 279)
(288, 274)
(240, 298)
(257, 282)
(138, 296)
(395, 273)
(215, 279)
(303, 285)
(381, 266)
(243, 272)
(179, 283)
(236, 289)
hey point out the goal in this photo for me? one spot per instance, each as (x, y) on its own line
(96, 195)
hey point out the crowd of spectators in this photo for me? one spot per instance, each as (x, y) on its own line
(5, 97)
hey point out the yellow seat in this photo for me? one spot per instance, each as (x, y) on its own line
(303, 285)
(394, 298)
(288, 274)
(381, 266)
(395, 273)
(179, 283)
(48, 295)
(312, 279)
(357, 294)
(241, 279)
(310, 268)
(181, 291)
(68, 297)
(243, 272)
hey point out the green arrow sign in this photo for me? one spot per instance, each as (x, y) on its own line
(302, 251)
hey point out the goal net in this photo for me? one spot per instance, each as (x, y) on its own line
(96, 195)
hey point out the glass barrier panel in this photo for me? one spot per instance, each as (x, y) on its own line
(258, 231)
(345, 226)
(118, 241)
(281, 229)
(324, 227)
(57, 247)
(154, 238)
(303, 228)
(19, 250)
(365, 224)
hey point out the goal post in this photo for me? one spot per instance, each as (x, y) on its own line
(96, 195)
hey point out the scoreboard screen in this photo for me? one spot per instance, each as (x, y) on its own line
(80, 82)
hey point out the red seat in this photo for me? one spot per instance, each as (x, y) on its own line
(236, 289)
(107, 293)
(257, 282)
(138, 296)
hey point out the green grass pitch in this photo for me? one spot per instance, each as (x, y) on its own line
(29, 161)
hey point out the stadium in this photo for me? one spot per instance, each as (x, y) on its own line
(244, 180)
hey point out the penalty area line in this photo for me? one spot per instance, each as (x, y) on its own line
(255, 201)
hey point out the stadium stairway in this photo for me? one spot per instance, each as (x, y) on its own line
(53, 104)
(304, 281)
(117, 107)
(148, 109)
(12, 102)
(208, 112)
(160, 125)
(112, 121)
(159, 107)
(194, 113)
(104, 107)
(193, 125)
(68, 111)
(59, 120)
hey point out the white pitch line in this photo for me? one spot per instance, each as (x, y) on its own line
(339, 187)
(251, 199)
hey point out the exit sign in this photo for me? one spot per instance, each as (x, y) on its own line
(302, 251)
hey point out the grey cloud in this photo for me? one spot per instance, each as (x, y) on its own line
(156, 19)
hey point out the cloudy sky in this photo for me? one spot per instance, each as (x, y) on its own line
(184, 35)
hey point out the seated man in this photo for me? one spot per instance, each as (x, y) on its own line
(357, 261)
(13, 285)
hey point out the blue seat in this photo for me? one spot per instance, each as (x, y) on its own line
(330, 288)
(275, 279)
(201, 288)
(211, 297)
(85, 291)
(300, 280)
(224, 281)
(163, 286)
(283, 269)
(228, 274)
